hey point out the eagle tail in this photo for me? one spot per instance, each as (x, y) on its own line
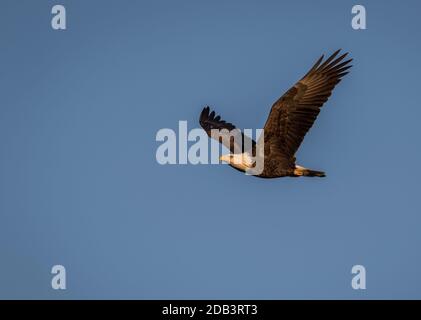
(301, 171)
(314, 173)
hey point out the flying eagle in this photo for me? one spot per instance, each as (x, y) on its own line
(290, 118)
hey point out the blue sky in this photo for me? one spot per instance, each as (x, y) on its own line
(80, 186)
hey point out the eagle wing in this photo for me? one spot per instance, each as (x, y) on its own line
(227, 134)
(294, 113)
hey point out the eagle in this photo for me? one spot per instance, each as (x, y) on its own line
(290, 118)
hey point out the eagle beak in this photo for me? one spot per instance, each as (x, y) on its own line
(224, 158)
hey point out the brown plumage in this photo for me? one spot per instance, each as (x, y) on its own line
(289, 120)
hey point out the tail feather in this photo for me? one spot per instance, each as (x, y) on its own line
(314, 173)
(301, 171)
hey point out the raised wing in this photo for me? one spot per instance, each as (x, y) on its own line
(295, 112)
(226, 133)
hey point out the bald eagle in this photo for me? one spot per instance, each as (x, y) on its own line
(290, 118)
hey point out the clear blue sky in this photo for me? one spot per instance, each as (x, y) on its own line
(80, 186)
